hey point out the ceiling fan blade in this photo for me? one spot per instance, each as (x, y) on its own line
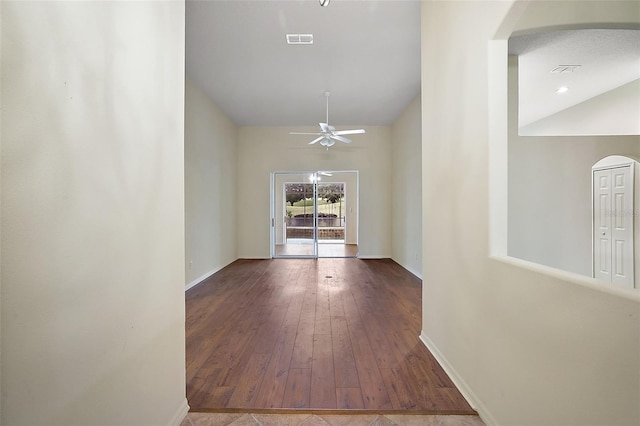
(349, 132)
(324, 127)
(340, 138)
(316, 140)
(303, 133)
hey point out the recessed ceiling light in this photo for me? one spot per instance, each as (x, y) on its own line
(299, 38)
(563, 89)
(324, 3)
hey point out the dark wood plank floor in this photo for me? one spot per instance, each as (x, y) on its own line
(326, 334)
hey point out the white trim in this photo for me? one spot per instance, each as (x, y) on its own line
(614, 161)
(272, 215)
(418, 275)
(201, 278)
(373, 256)
(181, 413)
(457, 380)
(408, 268)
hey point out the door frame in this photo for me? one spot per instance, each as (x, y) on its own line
(353, 199)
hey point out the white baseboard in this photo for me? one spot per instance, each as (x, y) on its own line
(368, 256)
(408, 268)
(457, 380)
(201, 278)
(180, 414)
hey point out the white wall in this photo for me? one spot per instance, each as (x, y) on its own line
(406, 189)
(550, 191)
(210, 186)
(530, 346)
(92, 213)
(262, 150)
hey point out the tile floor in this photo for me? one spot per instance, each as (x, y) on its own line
(246, 419)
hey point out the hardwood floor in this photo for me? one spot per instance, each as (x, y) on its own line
(326, 334)
(324, 250)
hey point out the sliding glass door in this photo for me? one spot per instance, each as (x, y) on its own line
(311, 215)
(293, 222)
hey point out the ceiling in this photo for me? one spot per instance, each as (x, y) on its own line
(365, 53)
(608, 59)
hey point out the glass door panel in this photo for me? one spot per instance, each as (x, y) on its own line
(331, 208)
(337, 213)
(294, 227)
(314, 214)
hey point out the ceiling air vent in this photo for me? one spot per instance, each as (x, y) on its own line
(299, 38)
(565, 68)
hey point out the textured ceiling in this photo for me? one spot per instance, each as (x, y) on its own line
(365, 53)
(608, 59)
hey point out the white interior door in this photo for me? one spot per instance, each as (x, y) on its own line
(613, 225)
(602, 224)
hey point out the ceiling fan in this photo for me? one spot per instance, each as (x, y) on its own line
(328, 135)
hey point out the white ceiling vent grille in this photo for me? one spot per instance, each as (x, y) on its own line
(565, 68)
(299, 38)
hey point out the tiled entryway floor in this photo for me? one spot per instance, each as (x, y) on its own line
(247, 419)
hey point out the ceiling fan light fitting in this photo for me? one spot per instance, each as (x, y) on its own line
(328, 135)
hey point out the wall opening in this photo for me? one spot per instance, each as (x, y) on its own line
(540, 186)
